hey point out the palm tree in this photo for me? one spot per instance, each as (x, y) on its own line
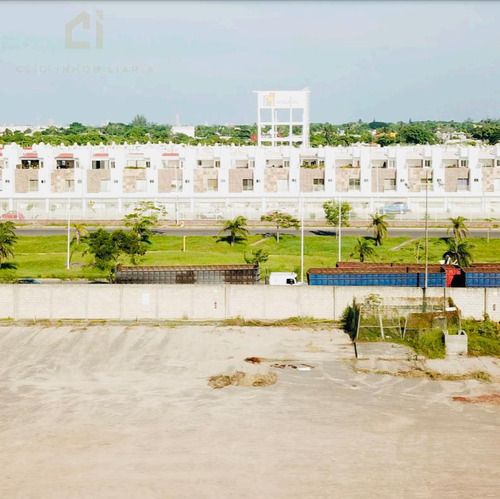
(380, 227)
(458, 228)
(8, 239)
(237, 228)
(363, 249)
(458, 252)
(78, 241)
(80, 231)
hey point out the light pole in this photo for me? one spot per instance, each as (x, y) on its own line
(340, 229)
(301, 239)
(176, 195)
(69, 229)
(426, 236)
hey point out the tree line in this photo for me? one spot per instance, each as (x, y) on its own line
(142, 131)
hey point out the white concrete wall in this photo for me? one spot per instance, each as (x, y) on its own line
(164, 302)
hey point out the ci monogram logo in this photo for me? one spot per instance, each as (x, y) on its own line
(84, 20)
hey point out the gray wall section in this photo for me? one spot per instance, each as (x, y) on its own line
(163, 302)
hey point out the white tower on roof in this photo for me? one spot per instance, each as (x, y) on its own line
(279, 113)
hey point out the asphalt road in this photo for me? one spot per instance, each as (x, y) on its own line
(320, 231)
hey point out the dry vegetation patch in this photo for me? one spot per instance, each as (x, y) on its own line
(240, 378)
(420, 372)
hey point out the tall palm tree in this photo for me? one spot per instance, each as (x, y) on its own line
(380, 227)
(236, 228)
(458, 252)
(363, 249)
(8, 239)
(458, 228)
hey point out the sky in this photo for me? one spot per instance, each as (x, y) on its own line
(388, 61)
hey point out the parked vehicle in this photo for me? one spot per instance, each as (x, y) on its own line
(283, 278)
(398, 207)
(188, 274)
(215, 215)
(27, 280)
(12, 215)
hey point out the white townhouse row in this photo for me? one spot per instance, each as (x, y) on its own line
(259, 173)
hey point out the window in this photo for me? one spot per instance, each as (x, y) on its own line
(464, 163)
(498, 162)
(354, 184)
(64, 164)
(427, 163)
(97, 165)
(217, 164)
(33, 185)
(321, 163)
(286, 163)
(70, 185)
(251, 164)
(140, 186)
(148, 164)
(318, 184)
(198, 162)
(176, 185)
(105, 186)
(212, 184)
(463, 184)
(282, 185)
(136, 163)
(392, 163)
(389, 184)
(248, 184)
(31, 164)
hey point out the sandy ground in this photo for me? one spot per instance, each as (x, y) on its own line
(126, 412)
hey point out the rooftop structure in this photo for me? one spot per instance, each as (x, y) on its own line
(283, 117)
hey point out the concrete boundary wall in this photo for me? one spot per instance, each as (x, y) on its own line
(216, 302)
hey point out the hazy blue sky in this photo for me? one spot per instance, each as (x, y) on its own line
(385, 60)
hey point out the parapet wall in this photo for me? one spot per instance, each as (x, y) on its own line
(216, 302)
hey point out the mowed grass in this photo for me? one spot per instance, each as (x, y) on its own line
(45, 257)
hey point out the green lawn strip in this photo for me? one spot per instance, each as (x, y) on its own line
(45, 256)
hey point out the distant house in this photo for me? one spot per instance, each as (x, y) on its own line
(184, 129)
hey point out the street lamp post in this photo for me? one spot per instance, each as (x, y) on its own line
(176, 195)
(340, 229)
(301, 239)
(69, 231)
(426, 224)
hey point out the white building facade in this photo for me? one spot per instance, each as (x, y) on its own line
(200, 182)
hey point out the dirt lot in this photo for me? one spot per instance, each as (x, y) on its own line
(127, 412)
